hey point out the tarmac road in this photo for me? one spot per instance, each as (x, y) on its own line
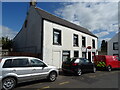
(99, 80)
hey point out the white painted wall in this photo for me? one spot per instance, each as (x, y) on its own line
(110, 45)
(50, 50)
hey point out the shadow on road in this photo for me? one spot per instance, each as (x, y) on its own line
(31, 83)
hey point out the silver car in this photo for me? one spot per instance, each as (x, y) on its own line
(22, 69)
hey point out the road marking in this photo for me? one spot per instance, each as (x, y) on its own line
(93, 76)
(64, 83)
(46, 87)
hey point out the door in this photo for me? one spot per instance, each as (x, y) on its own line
(39, 69)
(21, 67)
(89, 56)
(56, 61)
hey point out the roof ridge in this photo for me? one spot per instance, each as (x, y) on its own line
(48, 15)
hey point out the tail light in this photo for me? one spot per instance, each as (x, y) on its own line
(74, 64)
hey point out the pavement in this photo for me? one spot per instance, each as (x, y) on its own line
(100, 80)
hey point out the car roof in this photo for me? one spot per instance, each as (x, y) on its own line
(13, 57)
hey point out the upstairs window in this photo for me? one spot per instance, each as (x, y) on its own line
(75, 40)
(115, 45)
(93, 43)
(56, 37)
(83, 42)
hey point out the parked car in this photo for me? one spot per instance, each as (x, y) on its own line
(106, 61)
(77, 66)
(22, 69)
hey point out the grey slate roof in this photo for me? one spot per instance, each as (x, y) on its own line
(53, 18)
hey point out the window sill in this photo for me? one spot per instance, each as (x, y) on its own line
(57, 44)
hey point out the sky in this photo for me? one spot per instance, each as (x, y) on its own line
(101, 18)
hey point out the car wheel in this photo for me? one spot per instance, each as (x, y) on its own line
(52, 76)
(8, 83)
(109, 68)
(94, 69)
(79, 72)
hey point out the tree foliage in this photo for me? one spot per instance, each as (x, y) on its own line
(104, 46)
(6, 43)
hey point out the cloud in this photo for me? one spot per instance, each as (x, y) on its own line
(106, 39)
(101, 34)
(101, 18)
(7, 32)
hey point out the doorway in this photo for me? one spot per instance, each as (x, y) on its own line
(89, 56)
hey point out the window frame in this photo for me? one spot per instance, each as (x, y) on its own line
(84, 54)
(84, 41)
(114, 46)
(12, 66)
(75, 44)
(93, 43)
(38, 64)
(65, 51)
(5, 63)
(60, 37)
(115, 54)
(77, 52)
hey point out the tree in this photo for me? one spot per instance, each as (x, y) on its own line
(6, 43)
(104, 46)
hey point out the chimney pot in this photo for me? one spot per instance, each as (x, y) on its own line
(33, 3)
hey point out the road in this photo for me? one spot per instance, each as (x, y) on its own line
(100, 79)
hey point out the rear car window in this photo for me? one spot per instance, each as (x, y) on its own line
(20, 63)
(7, 63)
(70, 60)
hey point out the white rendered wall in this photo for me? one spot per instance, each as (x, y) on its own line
(50, 50)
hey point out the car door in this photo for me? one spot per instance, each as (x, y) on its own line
(83, 64)
(39, 69)
(88, 64)
(20, 67)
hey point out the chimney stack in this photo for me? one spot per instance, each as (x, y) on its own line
(33, 3)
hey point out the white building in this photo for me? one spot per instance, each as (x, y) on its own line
(54, 38)
(113, 47)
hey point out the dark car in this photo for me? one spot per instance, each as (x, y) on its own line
(78, 65)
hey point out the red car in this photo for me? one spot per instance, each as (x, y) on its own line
(107, 61)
